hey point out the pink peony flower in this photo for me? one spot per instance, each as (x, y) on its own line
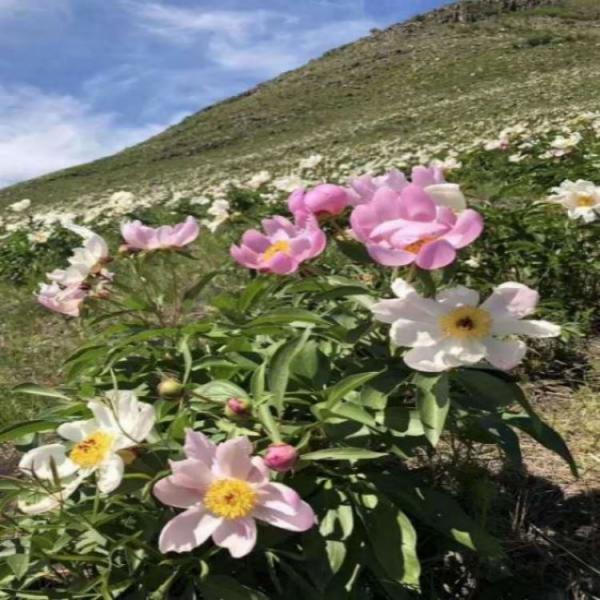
(281, 457)
(66, 301)
(399, 228)
(282, 247)
(325, 199)
(141, 237)
(223, 490)
(431, 179)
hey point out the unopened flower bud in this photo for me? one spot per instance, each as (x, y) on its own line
(237, 407)
(281, 457)
(124, 249)
(170, 388)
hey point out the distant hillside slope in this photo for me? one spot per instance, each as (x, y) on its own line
(432, 76)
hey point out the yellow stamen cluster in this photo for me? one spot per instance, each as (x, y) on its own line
(415, 247)
(230, 498)
(92, 451)
(275, 248)
(584, 201)
(466, 322)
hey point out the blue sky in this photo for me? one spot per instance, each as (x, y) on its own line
(80, 79)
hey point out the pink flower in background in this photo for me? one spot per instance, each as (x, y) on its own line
(431, 179)
(323, 199)
(281, 457)
(223, 490)
(141, 237)
(282, 246)
(363, 188)
(66, 301)
(399, 228)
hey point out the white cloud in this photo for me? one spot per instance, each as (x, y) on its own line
(183, 25)
(10, 9)
(41, 132)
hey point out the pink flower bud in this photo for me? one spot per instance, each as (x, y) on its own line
(281, 457)
(237, 407)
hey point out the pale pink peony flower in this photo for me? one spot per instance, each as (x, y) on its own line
(400, 228)
(141, 237)
(324, 199)
(282, 246)
(281, 457)
(455, 329)
(223, 490)
(66, 301)
(431, 179)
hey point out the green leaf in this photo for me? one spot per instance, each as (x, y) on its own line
(352, 412)
(286, 316)
(486, 389)
(345, 386)
(439, 511)
(433, 403)
(220, 391)
(222, 587)
(38, 390)
(184, 348)
(354, 250)
(17, 430)
(544, 434)
(392, 537)
(347, 453)
(192, 292)
(18, 563)
(257, 382)
(278, 373)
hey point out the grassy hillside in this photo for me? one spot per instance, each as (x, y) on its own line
(466, 68)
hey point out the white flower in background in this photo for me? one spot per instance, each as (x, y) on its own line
(95, 445)
(121, 203)
(258, 180)
(581, 199)
(87, 260)
(450, 163)
(288, 183)
(38, 237)
(219, 211)
(561, 145)
(454, 329)
(516, 158)
(20, 206)
(310, 162)
(200, 201)
(502, 143)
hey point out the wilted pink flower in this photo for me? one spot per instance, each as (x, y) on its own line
(282, 246)
(281, 457)
(141, 237)
(323, 199)
(399, 228)
(66, 301)
(224, 490)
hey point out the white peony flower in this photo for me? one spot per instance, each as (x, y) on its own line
(454, 329)
(87, 260)
(20, 206)
(580, 198)
(96, 445)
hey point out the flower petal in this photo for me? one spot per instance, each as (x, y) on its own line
(172, 494)
(110, 474)
(187, 530)
(38, 462)
(199, 447)
(531, 328)
(436, 255)
(511, 299)
(505, 354)
(302, 519)
(239, 536)
(458, 296)
(75, 431)
(233, 458)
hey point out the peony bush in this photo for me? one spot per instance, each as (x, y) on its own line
(268, 430)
